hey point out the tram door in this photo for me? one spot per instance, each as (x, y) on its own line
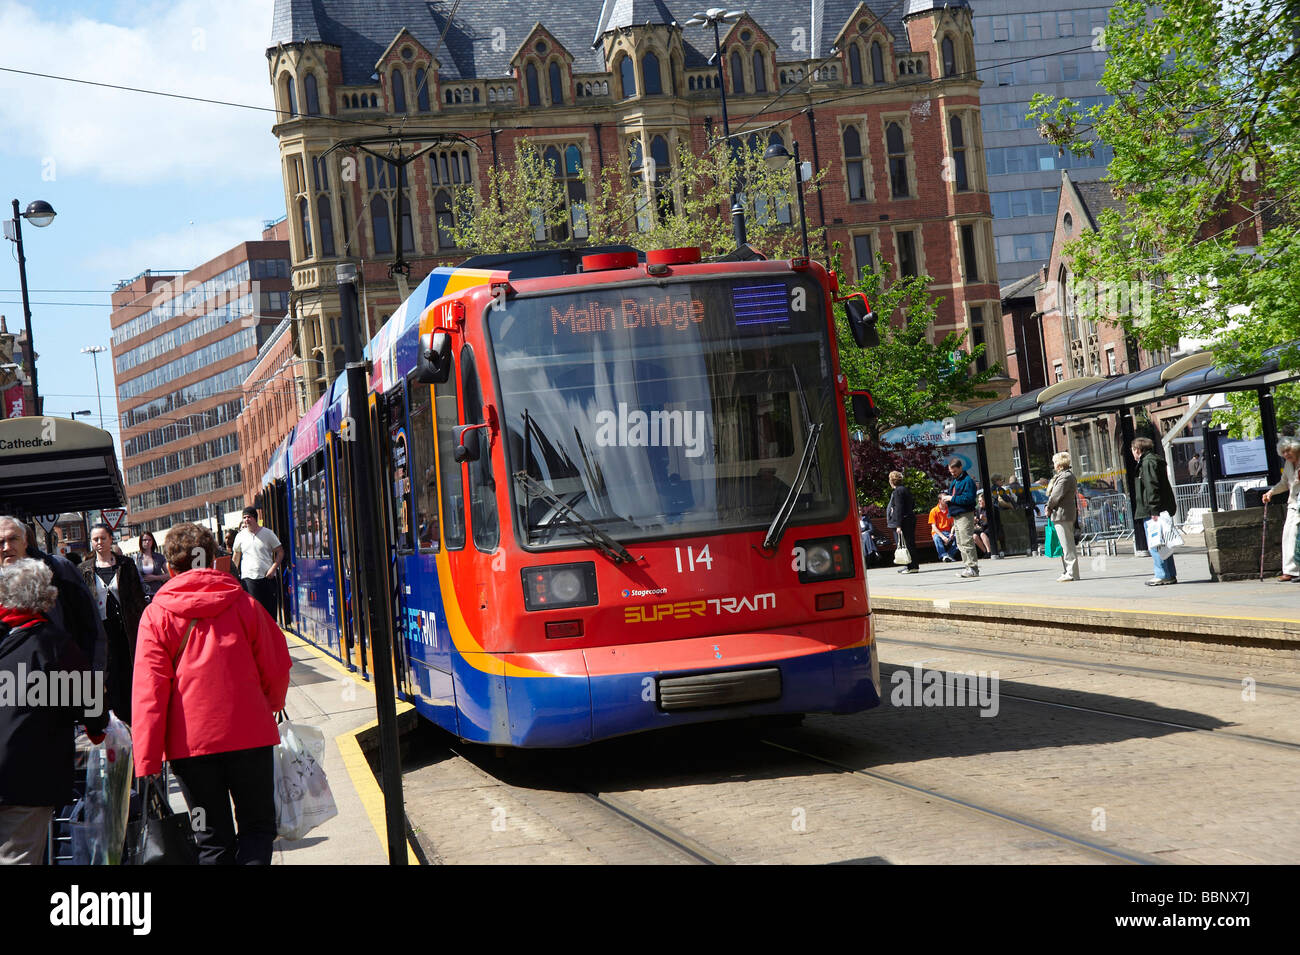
(389, 422)
(340, 519)
(275, 513)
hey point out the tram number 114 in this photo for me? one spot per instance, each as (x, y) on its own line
(693, 558)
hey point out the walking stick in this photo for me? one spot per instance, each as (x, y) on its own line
(1263, 536)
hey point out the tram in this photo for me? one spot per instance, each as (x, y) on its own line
(615, 499)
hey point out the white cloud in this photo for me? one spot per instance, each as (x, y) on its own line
(181, 249)
(212, 50)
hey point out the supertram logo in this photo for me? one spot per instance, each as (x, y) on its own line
(686, 609)
(421, 627)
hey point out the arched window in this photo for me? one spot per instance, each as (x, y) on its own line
(475, 96)
(855, 65)
(654, 85)
(421, 91)
(627, 73)
(304, 228)
(760, 72)
(289, 93)
(326, 221)
(445, 219)
(949, 57)
(958, 154)
(399, 91)
(737, 73)
(634, 156)
(877, 64)
(531, 84)
(379, 225)
(690, 83)
(853, 163)
(312, 94)
(557, 86)
(662, 183)
(897, 160)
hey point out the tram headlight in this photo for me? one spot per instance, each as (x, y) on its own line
(559, 585)
(827, 558)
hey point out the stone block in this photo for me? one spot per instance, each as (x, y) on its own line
(1232, 541)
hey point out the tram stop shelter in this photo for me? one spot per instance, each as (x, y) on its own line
(50, 465)
(1195, 377)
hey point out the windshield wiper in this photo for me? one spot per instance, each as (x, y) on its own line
(786, 511)
(587, 530)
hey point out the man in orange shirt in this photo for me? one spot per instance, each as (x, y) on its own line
(941, 532)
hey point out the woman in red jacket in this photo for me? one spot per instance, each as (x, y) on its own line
(211, 670)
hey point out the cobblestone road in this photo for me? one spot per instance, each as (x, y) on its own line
(1144, 786)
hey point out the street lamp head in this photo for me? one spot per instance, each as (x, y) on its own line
(39, 213)
(94, 350)
(776, 156)
(73, 414)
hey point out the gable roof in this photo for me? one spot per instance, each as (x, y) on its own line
(1096, 196)
(475, 48)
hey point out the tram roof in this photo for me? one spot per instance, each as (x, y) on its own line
(57, 464)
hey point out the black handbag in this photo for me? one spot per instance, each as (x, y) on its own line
(166, 837)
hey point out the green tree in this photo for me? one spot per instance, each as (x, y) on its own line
(685, 205)
(911, 378)
(1205, 128)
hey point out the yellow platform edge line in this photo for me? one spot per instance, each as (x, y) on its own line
(354, 760)
(1020, 603)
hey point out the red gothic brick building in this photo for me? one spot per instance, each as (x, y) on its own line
(886, 101)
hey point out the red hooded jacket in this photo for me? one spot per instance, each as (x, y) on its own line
(224, 692)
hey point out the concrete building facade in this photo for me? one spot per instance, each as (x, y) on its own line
(182, 347)
(885, 99)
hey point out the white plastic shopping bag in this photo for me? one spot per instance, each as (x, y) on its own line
(302, 794)
(1169, 534)
(98, 821)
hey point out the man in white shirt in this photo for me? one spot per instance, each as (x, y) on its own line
(257, 557)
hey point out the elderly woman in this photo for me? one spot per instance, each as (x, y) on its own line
(36, 739)
(1289, 448)
(120, 597)
(211, 670)
(1063, 511)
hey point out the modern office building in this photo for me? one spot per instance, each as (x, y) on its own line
(1021, 48)
(182, 347)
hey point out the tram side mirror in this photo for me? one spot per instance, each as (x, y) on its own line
(864, 408)
(862, 321)
(466, 442)
(434, 367)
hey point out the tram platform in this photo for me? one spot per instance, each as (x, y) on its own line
(1019, 599)
(323, 693)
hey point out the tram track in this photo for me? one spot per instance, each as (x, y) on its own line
(1206, 679)
(1015, 819)
(1132, 717)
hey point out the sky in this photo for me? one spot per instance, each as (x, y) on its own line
(138, 181)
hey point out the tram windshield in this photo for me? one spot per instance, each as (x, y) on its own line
(670, 409)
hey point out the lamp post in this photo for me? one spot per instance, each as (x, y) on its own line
(73, 414)
(776, 157)
(40, 214)
(94, 351)
(712, 17)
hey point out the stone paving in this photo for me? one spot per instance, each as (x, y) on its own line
(1152, 790)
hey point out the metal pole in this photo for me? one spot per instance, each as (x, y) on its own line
(737, 217)
(1268, 419)
(1130, 480)
(94, 354)
(365, 487)
(803, 218)
(821, 202)
(990, 493)
(1026, 496)
(29, 354)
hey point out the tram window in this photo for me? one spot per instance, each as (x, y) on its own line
(449, 483)
(299, 512)
(341, 481)
(482, 488)
(424, 475)
(322, 523)
(399, 474)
